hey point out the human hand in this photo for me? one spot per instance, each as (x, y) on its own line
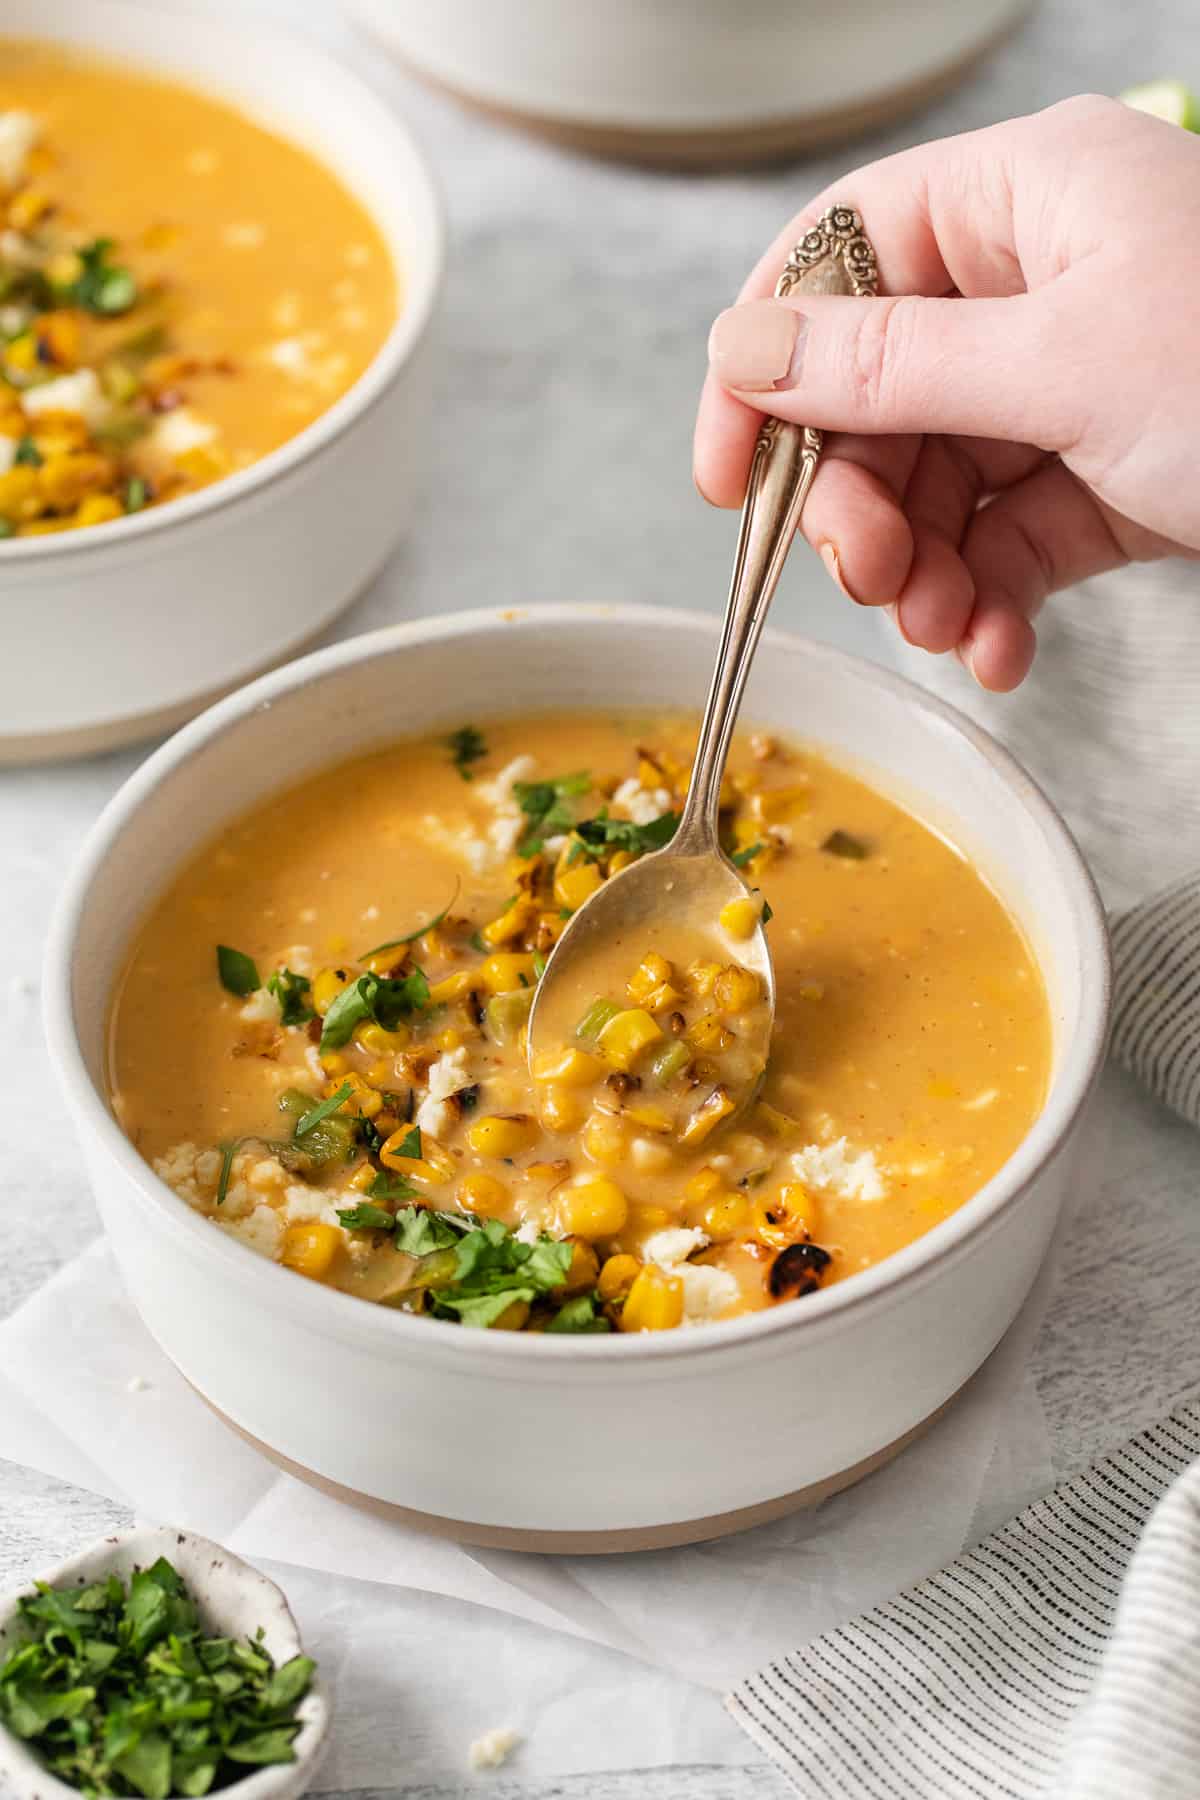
(1022, 411)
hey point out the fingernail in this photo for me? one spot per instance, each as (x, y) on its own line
(832, 561)
(757, 346)
(965, 653)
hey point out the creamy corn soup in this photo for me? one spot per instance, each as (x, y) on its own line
(180, 290)
(319, 1042)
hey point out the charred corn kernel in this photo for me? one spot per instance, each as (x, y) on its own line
(620, 859)
(573, 886)
(514, 1317)
(736, 989)
(591, 1206)
(58, 335)
(652, 973)
(362, 1178)
(497, 1135)
(701, 977)
(452, 987)
(726, 1217)
(363, 1101)
(584, 1269)
(785, 1217)
(434, 1163)
(510, 923)
(626, 1036)
(574, 1068)
(649, 1117)
(605, 1139)
(327, 985)
(707, 1117)
(561, 1108)
(655, 1301)
(481, 1193)
(310, 1249)
(334, 1063)
(506, 971)
(703, 1185)
(618, 1276)
(98, 509)
(740, 917)
(708, 1034)
(771, 804)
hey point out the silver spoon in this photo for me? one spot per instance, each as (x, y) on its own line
(692, 878)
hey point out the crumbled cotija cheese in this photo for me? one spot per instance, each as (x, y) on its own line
(19, 132)
(493, 1747)
(79, 393)
(707, 1292)
(262, 1008)
(448, 1075)
(643, 805)
(180, 431)
(261, 1229)
(848, 1174)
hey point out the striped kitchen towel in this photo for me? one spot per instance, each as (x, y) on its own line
(1061, 1657)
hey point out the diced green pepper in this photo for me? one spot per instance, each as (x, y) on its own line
(669, 1062)
(507, 1013)
(595, 1019)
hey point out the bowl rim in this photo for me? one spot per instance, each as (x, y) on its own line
(147, 1543)
(418, 297)
(329, 1311)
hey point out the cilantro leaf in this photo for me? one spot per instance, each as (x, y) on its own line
(466, 746)
(545, 808)
(378, 997)
(322, 1111)
(603, 836)
(237, 971)
(579, 1315)
(421, 1229)
(494, 1269)
(292, 992)
(27, 453)
(389, 1186)
(399, 943)
(365, 1217)
(102, 286)
(739, 858)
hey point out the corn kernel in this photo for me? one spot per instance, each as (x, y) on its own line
(482, 1193)
(310, 1249)
(511, 922)
(736, 989)
(620, 859)
(327, 985)
(514, 1317)
(561, 1108)
(652, 973)
(786, 1217)
(362, 1178)
(591, 1206)
(584, 1269)
(725, 1217)
(574, 1068)
(709, 1035)
(450, 1039)
(707, 1116)
(98, 509)
(618, 1276)
(605, 1139)
(702, 976)
(740, 917)
(644, 1220)
(452, 987)
(650, 1117)
(655, 1302)
(433, 1164)
(501, 1136)
(374, 1038)
(703, 1184)
(506, 971)
(573, 886)
(626, 1036)
(334, 1063)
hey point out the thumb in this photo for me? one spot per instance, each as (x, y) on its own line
(976, 368)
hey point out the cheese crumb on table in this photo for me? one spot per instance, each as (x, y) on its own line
(493, 1747)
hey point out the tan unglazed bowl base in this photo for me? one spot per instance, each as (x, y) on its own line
(591, 1543)
(735, 146)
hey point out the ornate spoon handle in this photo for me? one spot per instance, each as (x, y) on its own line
(835, 257)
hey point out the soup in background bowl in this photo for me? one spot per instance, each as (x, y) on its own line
(575, 1440)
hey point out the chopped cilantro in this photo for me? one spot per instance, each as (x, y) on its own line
(321, 1112)
(545, 808)
(466, 746)
(117, 1690)
(539, 964)
(768, 912)
(365, 1217)
(7, 528)
(102, 287)
(237, 971)
(377, 997)
(137, 494)
(291, 991)
(411, 1145)
(387, 1185)
(579, 1315)
(494, 1270)
(420, 1230)
(27, 453)
(843, 844)
(739, 858)
(399, 943)
(603, 836)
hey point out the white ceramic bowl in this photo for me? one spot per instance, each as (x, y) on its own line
(692, 82)
(233, 1600)
(594, 1442)
(116, 631)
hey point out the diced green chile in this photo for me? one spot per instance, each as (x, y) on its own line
(595, 1019)
(506, 1014)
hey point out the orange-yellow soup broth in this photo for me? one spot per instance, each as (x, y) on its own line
(910, 1055)
(181, 290)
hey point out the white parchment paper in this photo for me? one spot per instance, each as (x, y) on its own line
(428, 1643)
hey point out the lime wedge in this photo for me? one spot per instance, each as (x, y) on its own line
(1167, 100)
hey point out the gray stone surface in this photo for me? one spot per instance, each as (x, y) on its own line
(573, 330)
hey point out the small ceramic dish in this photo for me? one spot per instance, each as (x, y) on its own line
(577, 1442)
(233, 1599)
(115, 632)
